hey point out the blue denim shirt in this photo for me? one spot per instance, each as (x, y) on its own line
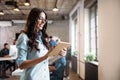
(53, 43)
(39, 71)
(59, 73)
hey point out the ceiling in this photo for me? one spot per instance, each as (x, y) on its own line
(64, 6)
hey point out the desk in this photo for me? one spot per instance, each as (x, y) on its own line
(6, 58)
(3, 59)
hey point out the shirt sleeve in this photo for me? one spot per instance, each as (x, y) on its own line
(52, 43)
(22, 48)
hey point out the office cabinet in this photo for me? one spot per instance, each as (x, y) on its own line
(91, 71)
(74, 64)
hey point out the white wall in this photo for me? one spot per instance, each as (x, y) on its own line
(7, 34)
(109, 39)
(59, 28)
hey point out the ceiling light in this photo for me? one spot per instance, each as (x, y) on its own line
(55, 9)
(16, 8)
(1, 12)
(27, 3)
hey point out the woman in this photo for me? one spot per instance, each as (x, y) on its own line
(33, 48)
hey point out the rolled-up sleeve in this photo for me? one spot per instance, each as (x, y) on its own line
(22, 49)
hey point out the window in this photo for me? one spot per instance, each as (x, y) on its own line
(75, 36)
(93, 19)
(74, 33)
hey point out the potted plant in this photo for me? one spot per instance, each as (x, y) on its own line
(75, 53)
(90, 57)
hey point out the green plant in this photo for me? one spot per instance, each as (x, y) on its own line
(75, 53)
(90, 57)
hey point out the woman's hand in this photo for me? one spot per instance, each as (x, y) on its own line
(52, 68)
(63, 52)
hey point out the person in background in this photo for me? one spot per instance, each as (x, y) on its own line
(32, 47)
(57, 67)
(5, 53)
(52, 42)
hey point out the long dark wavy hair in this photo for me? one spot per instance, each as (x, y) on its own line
(32, 30)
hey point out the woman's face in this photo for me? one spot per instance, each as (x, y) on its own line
(41, 20)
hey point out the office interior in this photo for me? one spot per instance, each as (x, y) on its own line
(90, 26)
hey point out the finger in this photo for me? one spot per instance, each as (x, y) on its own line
(65, 49)
(64, 53)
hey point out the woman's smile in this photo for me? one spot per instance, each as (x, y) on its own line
(41, 21)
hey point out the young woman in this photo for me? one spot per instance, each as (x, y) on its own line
(33, 48)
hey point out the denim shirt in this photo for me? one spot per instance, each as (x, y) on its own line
(39, 71)
(58, 74)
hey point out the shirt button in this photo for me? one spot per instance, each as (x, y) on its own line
(44, 62)
(44, 69)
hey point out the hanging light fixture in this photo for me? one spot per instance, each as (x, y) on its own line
(1, 12)
(27, 3)
(55, 9)
(16, 8)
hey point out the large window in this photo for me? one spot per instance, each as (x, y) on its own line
(93, 29)
(75, 36)
(74, 33)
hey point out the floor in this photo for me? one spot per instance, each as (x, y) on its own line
(72, 76)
